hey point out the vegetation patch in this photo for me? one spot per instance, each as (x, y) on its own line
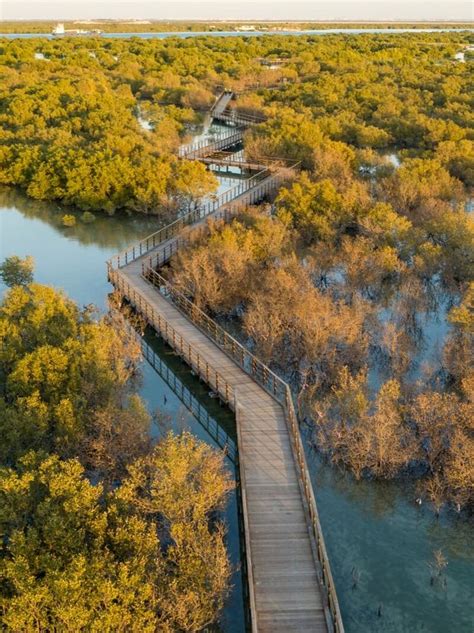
(102, 528)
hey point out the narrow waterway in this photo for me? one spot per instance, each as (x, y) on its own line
(249, 33)
(381, 543)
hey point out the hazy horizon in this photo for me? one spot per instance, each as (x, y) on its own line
(354, 10)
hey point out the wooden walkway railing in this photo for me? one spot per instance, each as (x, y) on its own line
(278, 389)
(235, 159)
(168, 333)
(205, 148)
(167, 241)
(238, 118)
(265, 377)
(223, 164)
(247, 565)
(246, 192)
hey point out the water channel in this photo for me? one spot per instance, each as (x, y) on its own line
(380, 542)
(249, 33)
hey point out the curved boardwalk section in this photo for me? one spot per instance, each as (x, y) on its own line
(290, 587)
(286, 585)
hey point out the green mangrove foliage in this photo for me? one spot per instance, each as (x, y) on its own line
(101, 529)
(363, 263)
(71, 135)
(70, 119)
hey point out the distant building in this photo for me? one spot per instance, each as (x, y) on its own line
(60, 31)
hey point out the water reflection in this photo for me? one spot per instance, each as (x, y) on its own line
(115, 231)
(380, 502)
(168, 385)
(220, 424)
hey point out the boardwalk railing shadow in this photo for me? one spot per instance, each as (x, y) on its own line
(215, 431)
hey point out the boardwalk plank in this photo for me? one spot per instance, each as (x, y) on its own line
(287, 588)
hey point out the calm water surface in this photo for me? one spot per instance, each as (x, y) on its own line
(187, 34)
(381, 545)
(380, 541)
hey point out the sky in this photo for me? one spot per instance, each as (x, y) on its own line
(239, 10)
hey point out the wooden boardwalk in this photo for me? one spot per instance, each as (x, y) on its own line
(222, 103)
(204, 148)
(290, 586)
(229, 161)
(286, 585)
(221, 111)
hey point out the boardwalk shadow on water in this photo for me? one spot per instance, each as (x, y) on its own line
(216, 420)
(193, 409)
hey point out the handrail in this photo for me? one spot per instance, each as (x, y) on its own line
(237, 118)
(252, 118)
(150, 242)
(212, 377)
(243, 115)
(237, 156)
(253, 366)
(263, 163)
(204, 147)
(332, 602)
(219, 164)
(281, 392)
(225, 213)
(248, 564)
